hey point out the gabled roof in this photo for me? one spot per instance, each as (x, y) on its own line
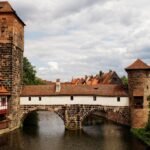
(70, 89)
(138, 64)
(105, 78)
(5, 8)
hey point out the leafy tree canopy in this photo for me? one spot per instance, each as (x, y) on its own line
(29, 74)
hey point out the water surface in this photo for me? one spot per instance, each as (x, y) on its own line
(51, 135)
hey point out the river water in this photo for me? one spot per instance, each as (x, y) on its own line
(51, 135)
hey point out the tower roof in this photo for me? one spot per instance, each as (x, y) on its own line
(138, 64)
(5, 8)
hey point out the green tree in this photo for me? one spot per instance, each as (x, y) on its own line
(29, 74)
(124, 80)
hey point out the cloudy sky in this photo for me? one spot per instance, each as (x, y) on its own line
(71, 38)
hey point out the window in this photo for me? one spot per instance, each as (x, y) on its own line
(3, 101)
(40, 98)
(138, 102)
(29, 98)
(118, 99)
(71, 98)
(94, 98)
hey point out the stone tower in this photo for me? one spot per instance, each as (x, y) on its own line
(139, 91)
(11, 58)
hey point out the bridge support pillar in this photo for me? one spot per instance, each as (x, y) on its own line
(72, 118)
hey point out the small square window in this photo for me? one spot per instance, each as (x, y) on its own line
(29, 98)
(40, 98)
(71, 98)
(118, 99)
(94, 98)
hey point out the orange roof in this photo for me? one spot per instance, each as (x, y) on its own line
(5, 8)
(105, 78)
(138, 64)
(70, 89)
(3, 91)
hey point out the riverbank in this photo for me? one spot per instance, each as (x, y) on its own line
(142, 134)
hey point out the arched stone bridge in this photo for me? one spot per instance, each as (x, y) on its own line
(74, 115)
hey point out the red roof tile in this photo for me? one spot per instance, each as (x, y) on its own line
(5, 8)
(3, 91)
(70, 89)
(138, 64)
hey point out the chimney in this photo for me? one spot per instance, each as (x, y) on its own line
(58, 85)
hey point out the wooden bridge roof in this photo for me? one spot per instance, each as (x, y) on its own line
(70, 89)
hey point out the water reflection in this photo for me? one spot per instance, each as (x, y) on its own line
(51, 135)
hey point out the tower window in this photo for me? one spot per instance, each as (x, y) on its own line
(118, 99)
(138, 102)
(29, 98)
(71, 98)
(40, 98)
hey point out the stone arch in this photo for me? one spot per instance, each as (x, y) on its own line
(92, 110)
(55, 109)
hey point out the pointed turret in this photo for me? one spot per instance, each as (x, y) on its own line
(138, 64)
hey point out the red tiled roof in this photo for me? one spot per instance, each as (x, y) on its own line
(3, 91)
(138, 64)
(105, 78)
(5, 8)
(70, 89)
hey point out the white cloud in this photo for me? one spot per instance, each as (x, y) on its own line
(53, 66)
(74, 38)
